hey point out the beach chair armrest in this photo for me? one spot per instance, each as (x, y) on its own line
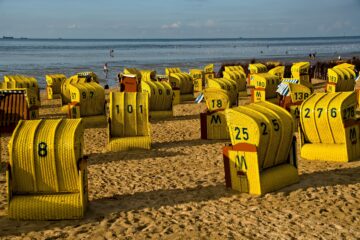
(8, 182)
(82, 163)
(83, 185)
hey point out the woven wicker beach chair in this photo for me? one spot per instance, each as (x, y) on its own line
(129, 121)
(46, 175)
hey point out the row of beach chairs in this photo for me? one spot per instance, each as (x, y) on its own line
(49, 180)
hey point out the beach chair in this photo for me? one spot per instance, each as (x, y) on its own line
(88, 103)
(160, 98)
(89, 76)
(237, 74)
(77, 78)
(212, 120)
(15, 105)
(341, 78)
(278, 71)
(262, 154)
(225, 84)
(300, 70)
(46, 175)
(53, 87)
(329, 128)
(264, 86)
(182, 85)
(21, 81)
(257, 68)
(292, 94)
(130, 80)
(200, 78)
(129, 121)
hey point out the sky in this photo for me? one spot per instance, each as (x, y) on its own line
(179, 18)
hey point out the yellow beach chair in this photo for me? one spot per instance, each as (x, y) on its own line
(160, 98)
(182, 85)
(212, 121)
(53, 87)
(200, 77)
(329, 129)
(129, 121)
(47, 181)
(21, 81)
(300, 71)
(85, 77)
(262, 157)
(341, 78)
(293, 98)
(88, 103)
(264, 87)
(278, 71)
(237, 74)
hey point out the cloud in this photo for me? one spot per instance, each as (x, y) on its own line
(174, 25)
(207, 24)
(73, 26)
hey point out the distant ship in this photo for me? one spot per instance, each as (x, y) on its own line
(5, 37)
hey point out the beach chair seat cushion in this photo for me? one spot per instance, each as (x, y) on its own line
(47, 206)
(124, 144)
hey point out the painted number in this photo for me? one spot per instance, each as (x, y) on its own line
(218, 103)
(333, 112)
(307, 112)
(276, 125)
(42, 149)
(319, 110)
(299, 96)
(130, 108)
(243, 132)
(264, 128)
(349, 113)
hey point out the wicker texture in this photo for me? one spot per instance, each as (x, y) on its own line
(45, 181)
(129, 121)
(46, 207)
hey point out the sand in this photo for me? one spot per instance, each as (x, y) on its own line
(177, 190)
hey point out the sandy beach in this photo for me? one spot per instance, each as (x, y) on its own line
(177, 191)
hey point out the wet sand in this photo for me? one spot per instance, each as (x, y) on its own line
(177, 190)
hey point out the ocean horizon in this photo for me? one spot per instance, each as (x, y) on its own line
(40, 56)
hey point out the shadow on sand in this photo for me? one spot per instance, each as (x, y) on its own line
(169, 197)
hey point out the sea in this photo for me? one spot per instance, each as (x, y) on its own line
(38, 57)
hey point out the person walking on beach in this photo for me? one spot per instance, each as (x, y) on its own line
(106, 70)
(111, 52)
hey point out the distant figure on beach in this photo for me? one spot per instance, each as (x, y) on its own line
(261, 52)
(106, 70)
(339, 57)
(111, 52)
(286, 52)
